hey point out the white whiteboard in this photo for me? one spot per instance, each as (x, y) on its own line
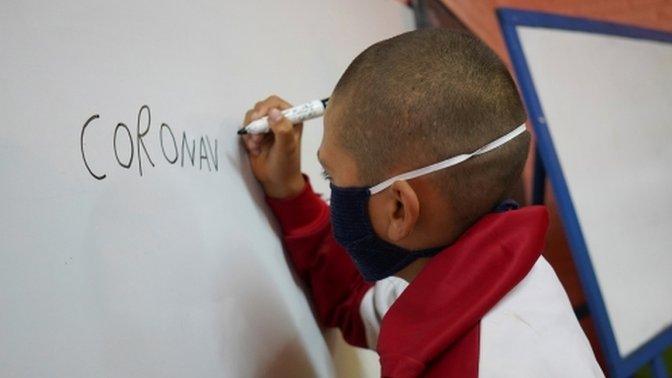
(179, 272)
(608, 106)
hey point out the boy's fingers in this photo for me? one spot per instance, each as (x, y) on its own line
(256, 138)
(248, 117)
(281, 127)
(249, 145)
(252, 141)
(262, 108)
(277, 102)
(255, 142)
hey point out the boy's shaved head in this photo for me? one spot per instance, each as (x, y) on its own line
(424, 96)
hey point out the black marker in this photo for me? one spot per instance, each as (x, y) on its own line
(295, 115)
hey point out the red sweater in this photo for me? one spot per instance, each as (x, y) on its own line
(432, 329)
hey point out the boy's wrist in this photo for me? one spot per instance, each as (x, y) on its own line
(300, 213)
(289, 189)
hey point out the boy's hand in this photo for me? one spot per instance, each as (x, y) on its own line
(275, 156)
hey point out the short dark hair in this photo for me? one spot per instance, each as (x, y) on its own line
(426, 95)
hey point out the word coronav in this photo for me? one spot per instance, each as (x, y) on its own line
(173, 149)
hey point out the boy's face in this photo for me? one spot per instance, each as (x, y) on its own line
(338, 165)
(393, 212)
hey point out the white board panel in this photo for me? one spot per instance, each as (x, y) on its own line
(608, 107)
(178, 272)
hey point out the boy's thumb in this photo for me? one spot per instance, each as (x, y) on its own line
(281, 127)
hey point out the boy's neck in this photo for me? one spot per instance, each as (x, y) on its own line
(409, 273)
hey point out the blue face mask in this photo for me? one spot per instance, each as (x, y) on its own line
(374, 257)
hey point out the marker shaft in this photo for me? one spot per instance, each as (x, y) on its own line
(296, 114)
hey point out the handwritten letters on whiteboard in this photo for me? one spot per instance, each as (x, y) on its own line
(129, 146)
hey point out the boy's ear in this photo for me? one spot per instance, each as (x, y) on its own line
(404, 211)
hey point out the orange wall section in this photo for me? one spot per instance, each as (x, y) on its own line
(479, 15)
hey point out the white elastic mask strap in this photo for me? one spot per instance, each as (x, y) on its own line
(448, 162)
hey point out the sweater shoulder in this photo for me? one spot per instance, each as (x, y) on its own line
(533, 332)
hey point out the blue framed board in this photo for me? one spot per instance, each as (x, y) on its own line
(517, 25)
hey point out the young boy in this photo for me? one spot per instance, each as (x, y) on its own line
(468, 292)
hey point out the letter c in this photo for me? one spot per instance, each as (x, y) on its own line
(81, 145)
